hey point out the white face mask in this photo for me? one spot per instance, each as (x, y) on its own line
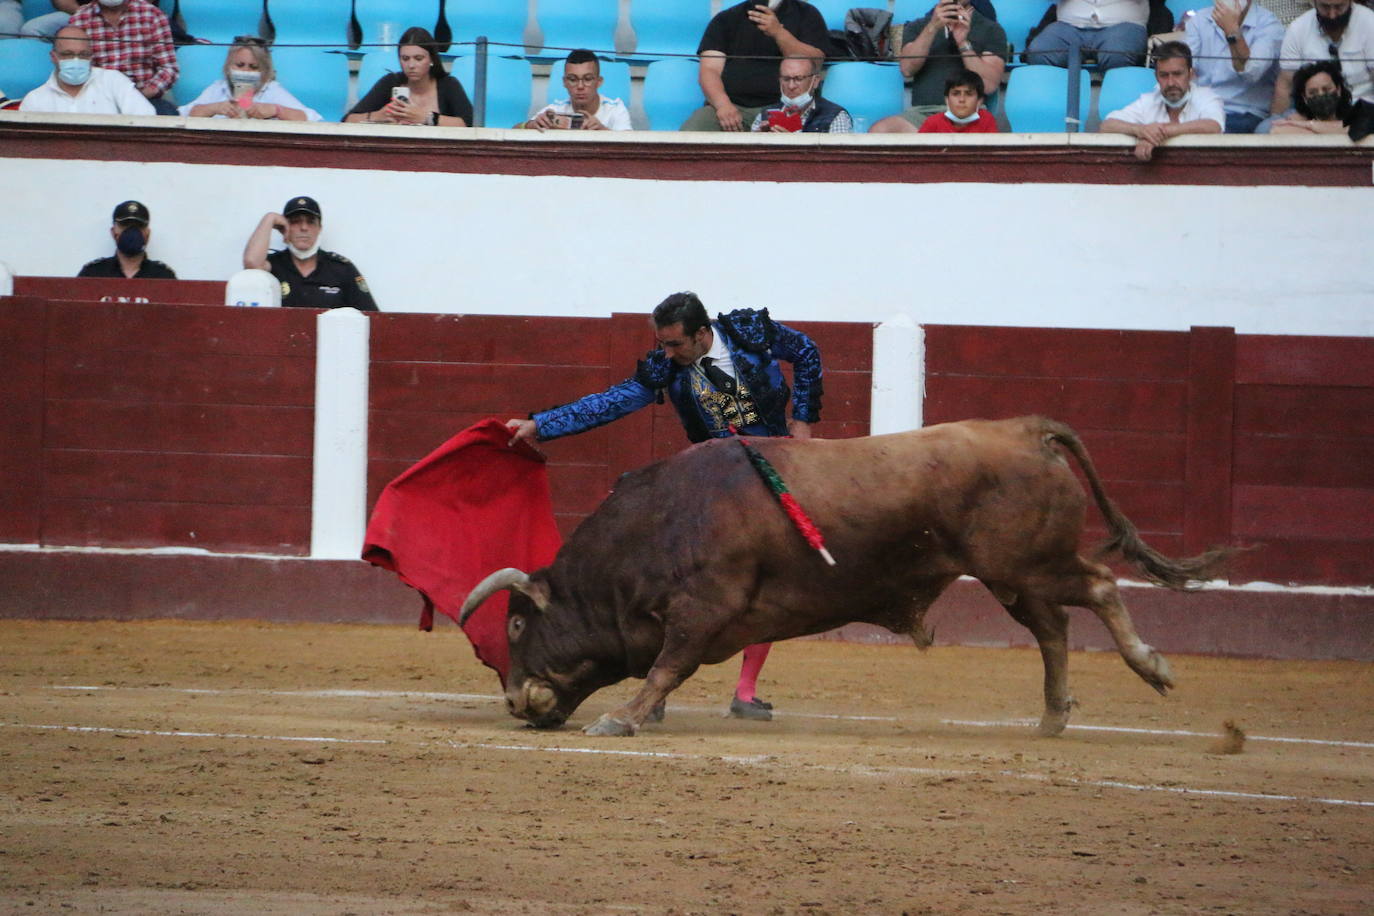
(111, 4)
(304, 254)
(800, 101)
(245, 79)
(1183, 100)
(958, 120)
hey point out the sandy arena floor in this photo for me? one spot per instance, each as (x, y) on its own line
(165, 767)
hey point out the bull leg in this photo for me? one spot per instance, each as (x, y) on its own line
(1049, 623)
(1094, 588)
(625, 721)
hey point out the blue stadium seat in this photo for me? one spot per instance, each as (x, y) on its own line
(1178, 7)
(1121, 86)
(569, 24)
(221, 22)
(1018, 18)
(501, 21)
(1037, 97)
(671, 92)
(377, 63)
(400, 14)
(24, 65)
(509, 85)
(834, 10)
(199, 66)
(615, 73)
(311, 22)
(866, 90)
(316, 77)
(664, 28)
(32, 8)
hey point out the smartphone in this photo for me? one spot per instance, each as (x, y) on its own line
(568, 121)
(402, 93)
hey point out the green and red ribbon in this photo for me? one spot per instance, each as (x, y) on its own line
(800, 520)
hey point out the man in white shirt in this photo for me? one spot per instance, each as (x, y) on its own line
(585, 108)
(1332, 30)
(1114, 29)
(1236, 45)
(75, 87)
(1175, 106)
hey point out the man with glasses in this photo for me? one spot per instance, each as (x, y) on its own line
(723, 377)
(1339, 30)
(585, 108)
(801, 107)
(951, 38)
(76, 87)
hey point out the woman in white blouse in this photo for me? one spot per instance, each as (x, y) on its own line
(249, 89)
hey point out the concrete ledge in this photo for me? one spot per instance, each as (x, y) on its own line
(76, 584)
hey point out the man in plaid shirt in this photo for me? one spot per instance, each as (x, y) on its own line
(135, 38)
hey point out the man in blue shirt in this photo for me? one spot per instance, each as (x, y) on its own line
(1235, 48)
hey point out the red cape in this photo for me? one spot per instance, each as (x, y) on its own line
(472, 506)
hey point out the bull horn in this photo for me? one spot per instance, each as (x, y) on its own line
(507, 578)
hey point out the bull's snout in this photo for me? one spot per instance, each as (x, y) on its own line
(536, 703)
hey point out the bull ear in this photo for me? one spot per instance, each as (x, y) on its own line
(510, 579)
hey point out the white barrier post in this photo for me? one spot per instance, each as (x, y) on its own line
(6, 280)
(899, 376)
(253, 288)
(339, 495)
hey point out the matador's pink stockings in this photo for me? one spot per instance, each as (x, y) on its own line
(754, 657)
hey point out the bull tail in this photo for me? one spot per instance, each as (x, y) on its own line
(1182, 574)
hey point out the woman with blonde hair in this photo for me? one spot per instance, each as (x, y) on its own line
(249, 89)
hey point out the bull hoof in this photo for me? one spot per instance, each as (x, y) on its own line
(610, 727)
(1154, 670)
(1054, 721)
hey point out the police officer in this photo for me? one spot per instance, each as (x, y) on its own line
(131, 233)
(310, 277)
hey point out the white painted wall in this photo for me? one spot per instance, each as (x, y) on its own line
(1260, 259)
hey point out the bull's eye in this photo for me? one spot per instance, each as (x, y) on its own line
(514, 627)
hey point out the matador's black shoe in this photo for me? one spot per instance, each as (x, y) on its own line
(755, 709)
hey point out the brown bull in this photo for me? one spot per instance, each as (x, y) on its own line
(691, 559)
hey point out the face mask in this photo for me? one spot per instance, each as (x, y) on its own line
(304, 254)
(1183, 100)
(131, 241)
(1323, 107)
(1336, 23)
(958, 120)
(245, 79)
(111, 4)
(800, 101)
(74, 71)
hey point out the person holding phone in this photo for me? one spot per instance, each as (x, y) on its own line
(310, 277)
(422, 92)
(802, 108)
(740, 53)
(952, 38)
(249, 88)
(585, 108)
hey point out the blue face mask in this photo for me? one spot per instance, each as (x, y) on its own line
(131, 241)
(74, 71)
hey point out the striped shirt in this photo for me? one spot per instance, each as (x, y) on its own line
(139, 46)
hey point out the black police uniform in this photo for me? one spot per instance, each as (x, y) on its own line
(335, 283)
(109, 267)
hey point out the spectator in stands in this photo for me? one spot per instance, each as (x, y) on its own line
(801, 107)
(1175, 106)
(585, 108)
(1115, 30)
(1332, 30)
(47, 24)
(963, 112)
(310, 276)
(249, 88)
(422, 93)
(130, 260)
(952, 38)
(740, 53)
(1235, 45)
(1321, 101)
(76, 87)
(133, 37)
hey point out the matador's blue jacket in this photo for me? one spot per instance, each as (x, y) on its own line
(756, 343)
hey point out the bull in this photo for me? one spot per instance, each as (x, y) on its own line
(690, 559)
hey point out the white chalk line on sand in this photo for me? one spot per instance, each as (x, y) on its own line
(1017, 723)
(428, 695)
(750, 760)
